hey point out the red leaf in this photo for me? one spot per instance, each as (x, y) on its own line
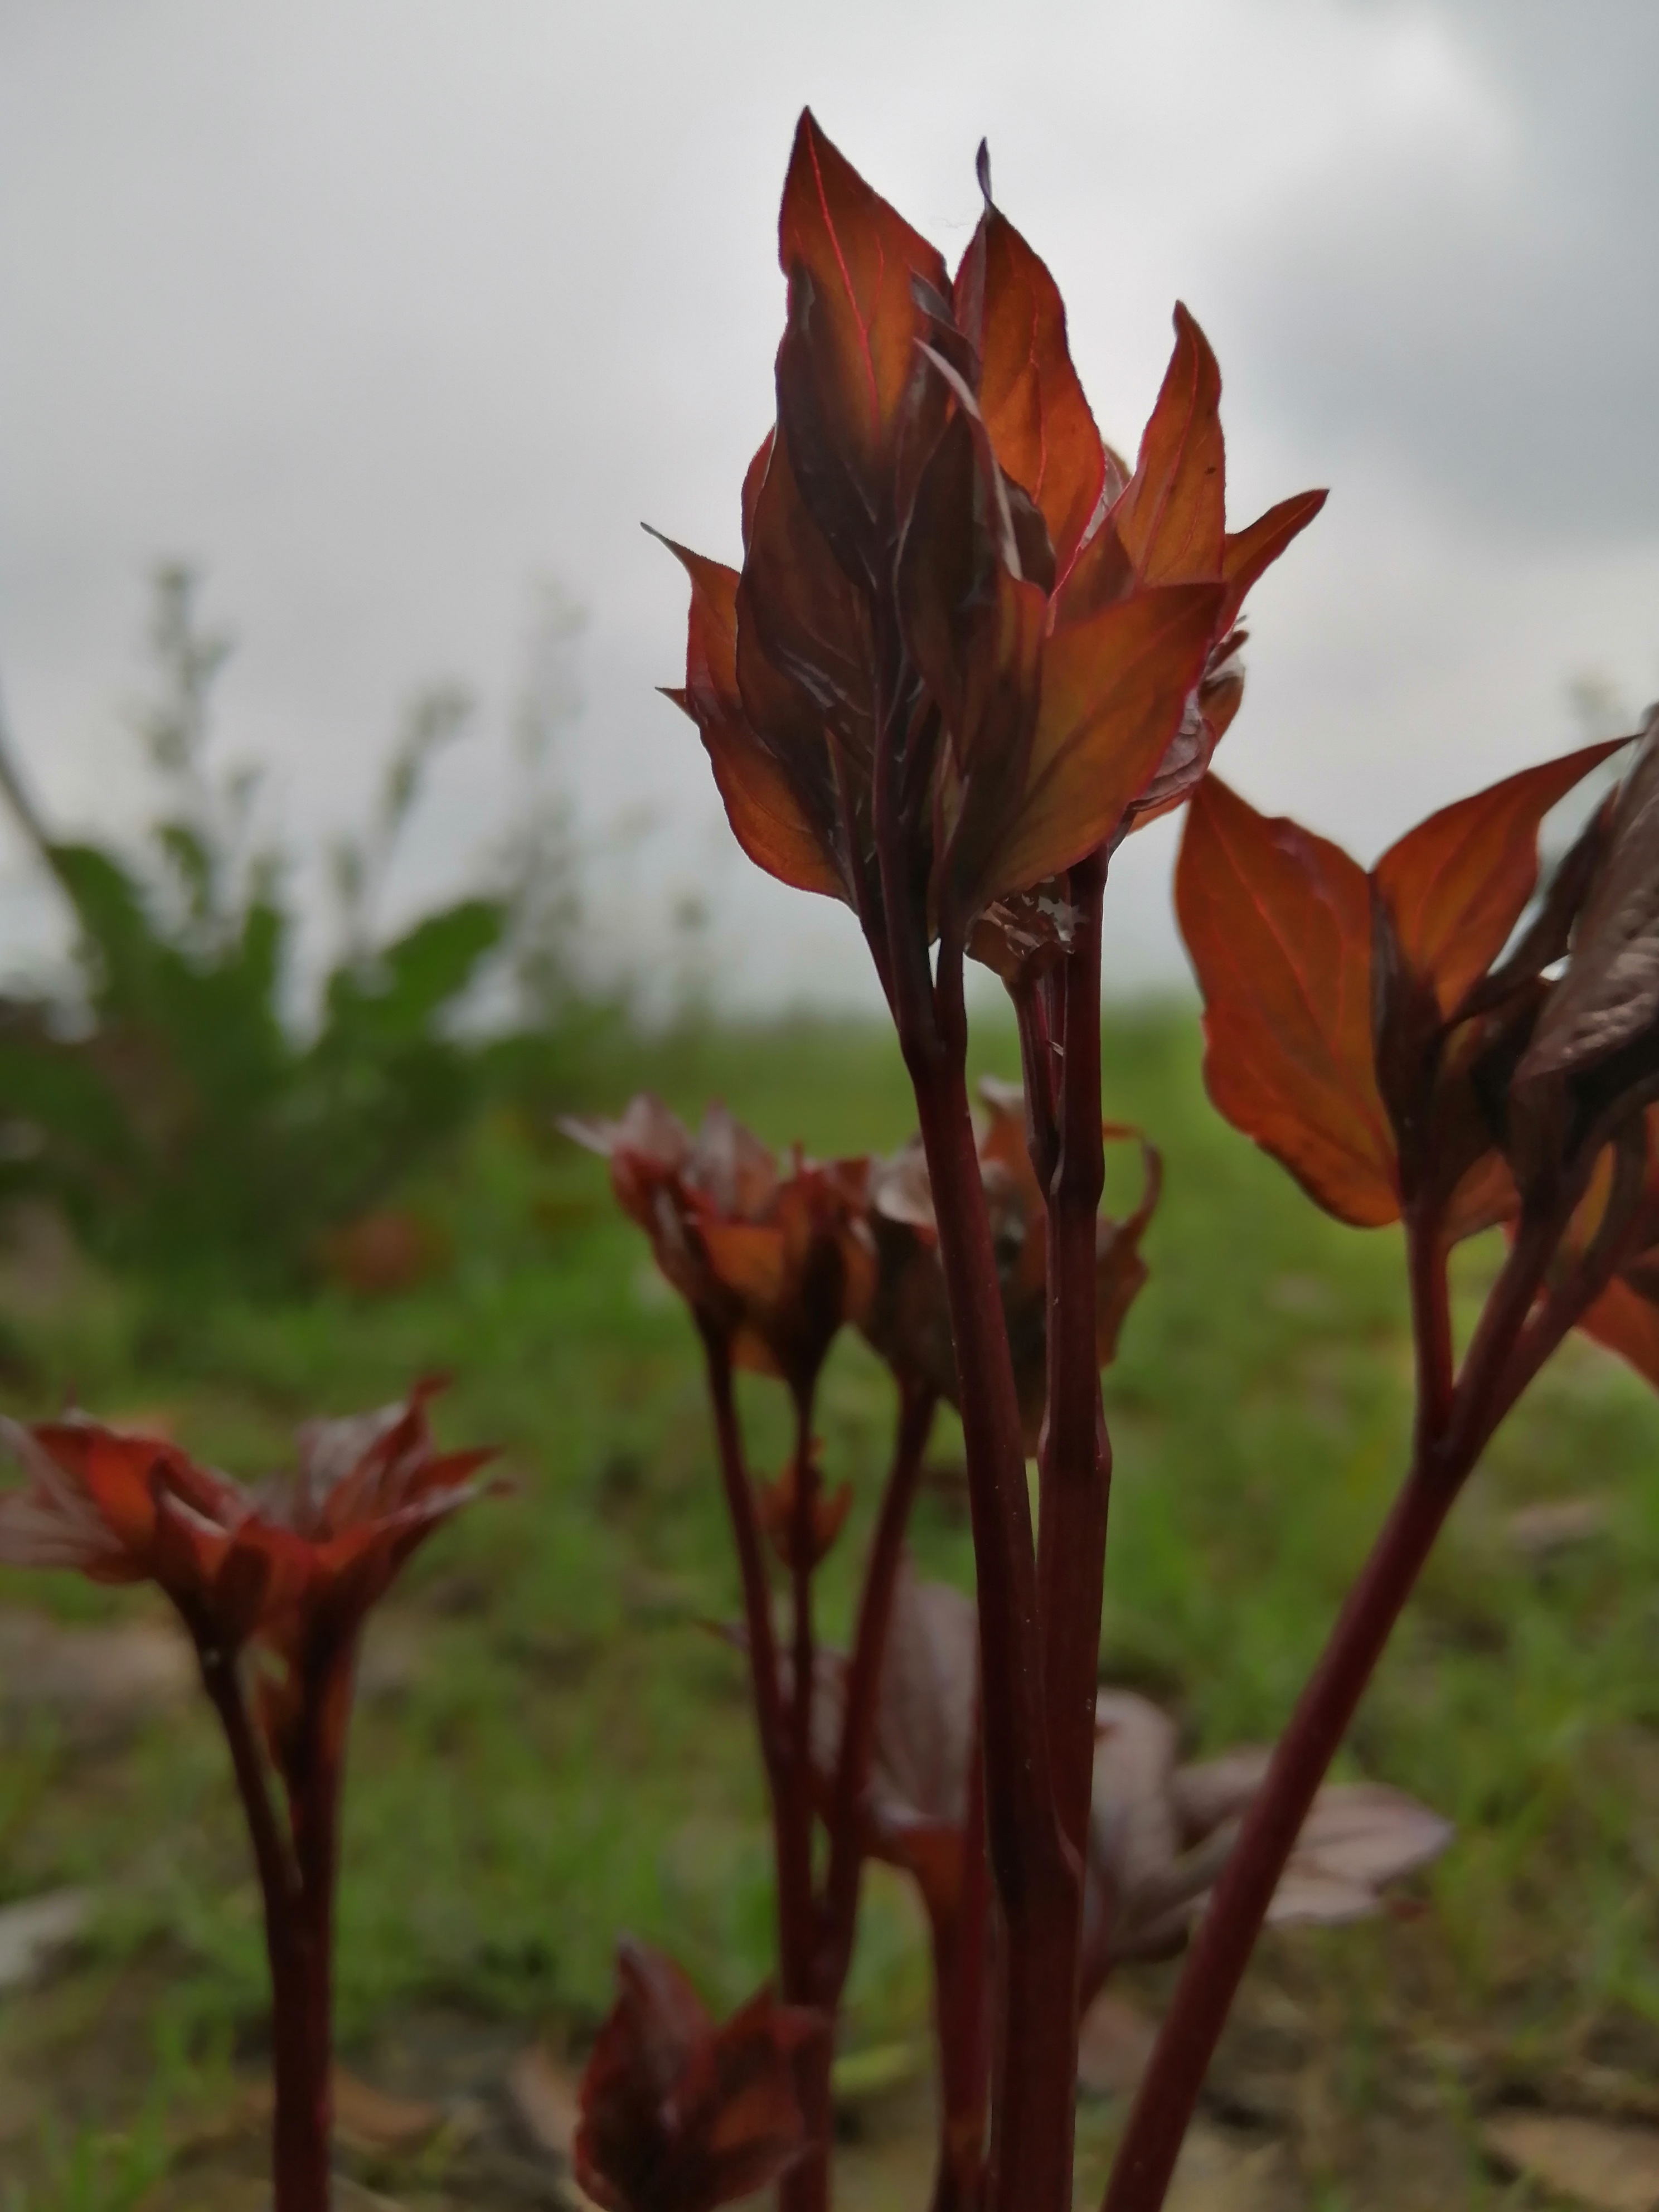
(1278, 923)
(1170, 520)
(849, 353)
(1246, 554)
(1457, 883)
(678, 2115)
(1010, 309)
(1114, 689)
(1627, 1322)
(762, 802)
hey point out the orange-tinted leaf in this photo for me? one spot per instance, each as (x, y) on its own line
(1114, 689)
(1627, 1323)
(850, 350)
(1246, 554)
(1484, 1198)
(1009, 308)
(1457, 883)
(1278, 923)
(973, 624)
(776, 1505)
(761, 802)
(1171, 520)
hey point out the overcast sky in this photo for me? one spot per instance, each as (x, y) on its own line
(381, 310)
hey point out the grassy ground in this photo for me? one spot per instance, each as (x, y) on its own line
(552, 1749)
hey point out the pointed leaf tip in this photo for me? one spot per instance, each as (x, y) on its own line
(983, 169)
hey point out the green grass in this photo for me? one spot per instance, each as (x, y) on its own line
(570, 1754)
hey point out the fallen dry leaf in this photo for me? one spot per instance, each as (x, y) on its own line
(368, 2119)
(1606, 2167)
(35, 1927)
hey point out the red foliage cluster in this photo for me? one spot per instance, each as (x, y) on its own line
(273, 1584)
(962, 624)
(679, 2115)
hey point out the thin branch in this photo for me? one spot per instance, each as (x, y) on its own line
(917, 1403)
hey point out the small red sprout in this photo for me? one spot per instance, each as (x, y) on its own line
(680, 2113)
(274, 1585)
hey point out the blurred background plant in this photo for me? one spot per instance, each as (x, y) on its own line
(190, 1114)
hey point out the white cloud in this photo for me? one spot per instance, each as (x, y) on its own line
(380, 307)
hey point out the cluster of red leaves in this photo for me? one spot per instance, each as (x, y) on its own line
(958, 612)
(293, 1566)
(776, 1264)
(771, 1265)
(1380, 1033)
(679, 2114)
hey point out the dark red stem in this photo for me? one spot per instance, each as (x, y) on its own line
(1076, 1457)
(1036, 1876)
(1226, 1936)
(917, 1403)
(1455, 1421)
(297, 1883)
(793, 1865)
(805, 2187)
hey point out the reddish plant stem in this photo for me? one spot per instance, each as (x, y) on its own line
(793, 1862)
(802, 1544)
(297, 1915)
(806, 2186)
(1036, 1878)
(1075, 1468)
(1426, 1262)
(1227, 1934)
(305, 2058)
(838, 1916)
(1215, 1965)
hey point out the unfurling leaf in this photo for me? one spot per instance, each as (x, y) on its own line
(849, 353)
(680, 2113)
(1009, 308)
(773, 1265)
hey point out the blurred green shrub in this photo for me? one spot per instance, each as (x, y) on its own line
(188, 1124)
